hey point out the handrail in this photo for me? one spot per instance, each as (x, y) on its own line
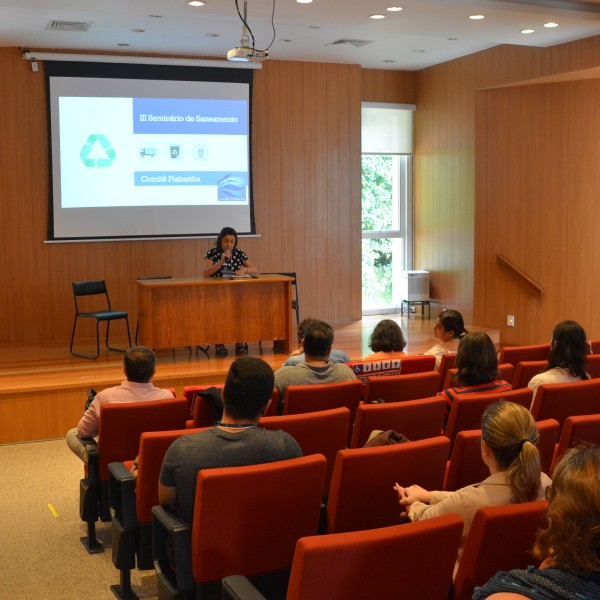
(513, 270)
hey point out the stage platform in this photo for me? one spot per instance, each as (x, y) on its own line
(43, 388)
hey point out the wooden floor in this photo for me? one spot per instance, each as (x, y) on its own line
(43, 387)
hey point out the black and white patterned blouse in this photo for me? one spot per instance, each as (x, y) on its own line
(236, 262)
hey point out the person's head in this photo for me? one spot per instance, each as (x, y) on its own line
(568, 349)
(303, 326)
(318, 339)
(476, 360)
(227, 239)
(248, 388)
(573, 534)
(139, 364)
(387, 337)
(449, 325)
(509, 432)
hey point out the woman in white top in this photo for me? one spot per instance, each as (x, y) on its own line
(449, 329)
(567, 358)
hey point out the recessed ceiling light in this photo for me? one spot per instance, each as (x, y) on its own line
(304, 1)
(527, 30)
(550, 24)
(376, 16)
(476, 17)
(393, 8)
(196, 2)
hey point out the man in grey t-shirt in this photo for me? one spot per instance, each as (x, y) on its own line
(236, 441)
(317, 366)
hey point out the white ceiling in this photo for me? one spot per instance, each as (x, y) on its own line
(424, 33)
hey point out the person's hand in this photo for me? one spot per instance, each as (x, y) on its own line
(242, 271)
(297, 352)
(410, 494)
(227, 254)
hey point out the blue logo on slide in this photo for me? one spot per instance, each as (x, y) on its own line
(105, 153)
(231, 187)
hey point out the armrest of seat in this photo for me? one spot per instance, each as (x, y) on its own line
(121, 495)
(171, 533)
(93, 452)
(238, 587)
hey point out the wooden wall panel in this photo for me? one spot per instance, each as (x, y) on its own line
(306, 160)
(449, 241)
(379, 85)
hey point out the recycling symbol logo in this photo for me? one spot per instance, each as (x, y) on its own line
(99, 144)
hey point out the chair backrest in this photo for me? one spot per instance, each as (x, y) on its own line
(593, 365)
(500, 539)
(361, 494)
(323, 432)
(416, 419)
(398, 388)
(379, 563)
(525, 370)
(153, 446)
(594, 347)
(466, 466)
(505, 372)
(363, 369)
(447, 362)
(247, 520)
(561, 400)
(90, 288)
(467, 409)
(121, 425)
(517, 354)
(581, 428)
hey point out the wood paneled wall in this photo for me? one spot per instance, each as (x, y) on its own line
(448, 239)
(306, 159)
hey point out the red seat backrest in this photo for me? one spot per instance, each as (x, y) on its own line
(500, 539)
(561, 400)
(581, 428)
(467, 409)
(361, 494)
(398, 388)
(416, 419)
(447, 362)
(363, 369)
(517, 354)
(505, 370)
(379, 563)
(323, 432)
(593, 365)
(525, 370)
(268, 507)
(121, 426)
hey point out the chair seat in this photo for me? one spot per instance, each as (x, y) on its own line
(106, 315)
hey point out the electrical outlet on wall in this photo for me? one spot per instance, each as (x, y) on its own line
(510, 320)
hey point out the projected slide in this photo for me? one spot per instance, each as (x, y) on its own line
(152, 151)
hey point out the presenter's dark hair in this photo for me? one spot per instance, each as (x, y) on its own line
(248, 387)
(318, 338)
(139, 364)
(226, 231)
(452, 320)
(568, 349)
(476, 360)
(387, 337)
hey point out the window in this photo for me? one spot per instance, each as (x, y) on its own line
(386, 203)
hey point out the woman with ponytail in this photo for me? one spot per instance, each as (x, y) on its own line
(509, 438)
(449, 329)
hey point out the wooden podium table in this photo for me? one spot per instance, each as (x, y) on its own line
(200, 311)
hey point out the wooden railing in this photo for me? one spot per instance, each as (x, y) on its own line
(507, 266)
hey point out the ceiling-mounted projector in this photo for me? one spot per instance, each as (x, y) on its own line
(247, 54)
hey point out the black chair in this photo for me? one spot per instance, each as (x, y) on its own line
(295, 303)
(105, 313)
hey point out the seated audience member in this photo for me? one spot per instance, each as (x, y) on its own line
(386, 341)
(509, 438)
(139, 365)
(297, 357)
(567, 357)
(234, 442)
(477, 370)
(449, 329)
(570, 547)
(317, 367)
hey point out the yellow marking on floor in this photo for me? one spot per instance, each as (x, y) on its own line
(53, 510)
